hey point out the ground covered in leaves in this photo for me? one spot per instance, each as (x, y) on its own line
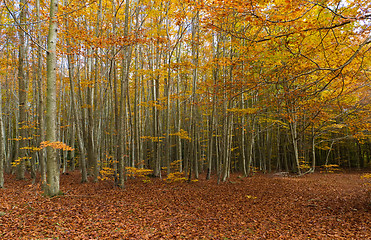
(317, 206)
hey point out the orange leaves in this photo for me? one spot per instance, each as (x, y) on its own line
(56, 145)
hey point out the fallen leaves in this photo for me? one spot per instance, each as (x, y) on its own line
(265, 206)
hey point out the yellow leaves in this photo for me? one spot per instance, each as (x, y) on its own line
(367, 176)
(331, 168)
(20, 138)
(85, 84)
(338, 126)
(233, 149)
(56, 145)
(325, 94)
(175, 165)
(274, 121)
(175, 177)
(243, 111)
(240, 9)
(153, 139)
(138, 172)
(250, 197)
(105, 173)
(27, 127)
(19, 160)
(182, 134)
(303, 165)
(31, 148)
(87, 106)
(155, 104)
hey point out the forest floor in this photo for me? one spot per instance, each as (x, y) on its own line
(316, 206)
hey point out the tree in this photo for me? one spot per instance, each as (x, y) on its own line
(223, 86)
(53, 172)
(2, 143)
(22, 95)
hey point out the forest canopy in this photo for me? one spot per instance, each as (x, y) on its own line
(179, 87)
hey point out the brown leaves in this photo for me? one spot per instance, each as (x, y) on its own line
(315, 206)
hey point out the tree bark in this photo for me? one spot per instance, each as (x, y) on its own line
(22, 96)
(51, 103)
(40, 88)
(2, 143)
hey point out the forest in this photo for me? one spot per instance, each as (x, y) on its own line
(107, 92)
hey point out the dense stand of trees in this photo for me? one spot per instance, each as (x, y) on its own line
(185, 86)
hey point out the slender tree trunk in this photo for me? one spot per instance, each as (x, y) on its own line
(122, 113)
(3, 154)
(8, 125)
(136, 124)
(193, 108)
(90, 148)
(168, 104)
(313, 151)
(251, 146)
(41, 100)
(279, 165)
(156, 125)
(243, 130)
(76, 114)
(72, 141)
(179, 156)
(2, 142)
(294, 138)
(211, 140)
(91, 129)
(213, 124)
(51, 103)
(22, 95)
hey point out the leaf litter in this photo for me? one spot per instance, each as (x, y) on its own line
(316, 206)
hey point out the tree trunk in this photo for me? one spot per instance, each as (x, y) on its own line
(294, 138)
(22, 96)
(313, 151)
(41, 100)
(2, 143)
(51, 103)
(76, 114)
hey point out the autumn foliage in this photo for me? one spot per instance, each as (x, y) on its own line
(166, 93)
